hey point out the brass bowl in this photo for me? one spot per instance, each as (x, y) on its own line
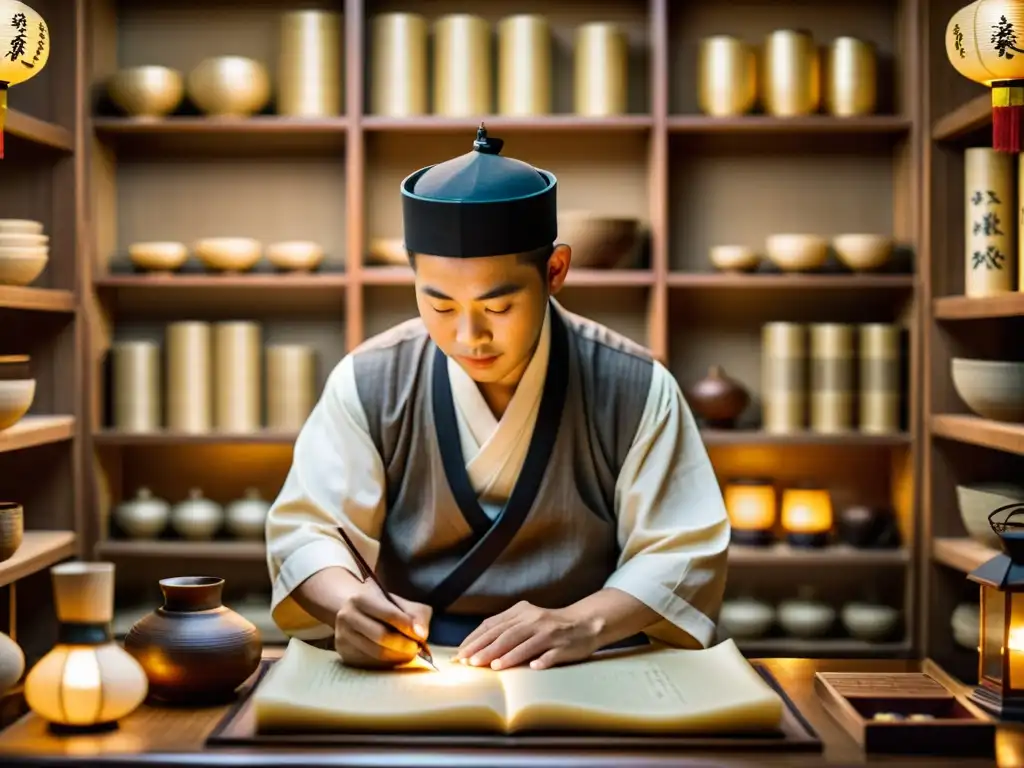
(148, 91)
(797, 253)
(863, 253)
(295, 255)
(734, 258)
(229, 254)
(158, 256)
(20, 265)
(16, 396)
(229, 86)
(598, 241)
(388, 250)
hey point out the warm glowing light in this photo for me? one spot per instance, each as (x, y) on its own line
(750, 504)
(806, 511)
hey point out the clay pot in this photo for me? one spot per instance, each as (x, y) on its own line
(717, 399)
(866, 527)
(193, 648)
(12, 528)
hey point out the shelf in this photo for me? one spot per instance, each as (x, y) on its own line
(813, 124)
(714, 437)
(38, 550)
(1002, 436)
(841, 556)
(115, 438)
(575, 123)
(787, 647)
(37, 430)
(962, 555)
(36, 299)
(748, 281)
(219, 550)
(36, 131)
(967, 308)
(271, 133)
(965, 119)
(609, 278)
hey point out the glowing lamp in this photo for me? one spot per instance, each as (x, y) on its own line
(751, 507)
(807, 516)
(985, 43)
(87, 681)
(1000, 688)
(24, 50)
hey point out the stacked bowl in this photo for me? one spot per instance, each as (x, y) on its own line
(24, 251)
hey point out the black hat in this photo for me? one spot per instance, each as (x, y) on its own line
(479, 204)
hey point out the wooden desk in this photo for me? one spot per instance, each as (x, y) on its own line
(175, 737)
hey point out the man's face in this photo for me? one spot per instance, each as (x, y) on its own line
(486, 313)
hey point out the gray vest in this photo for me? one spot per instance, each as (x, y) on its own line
(555, 540)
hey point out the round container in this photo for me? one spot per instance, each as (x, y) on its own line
(189, 377)
(309, 70)
(237, 390)
(398, 65)
(851, 87)
(524, 65)
(137, 407)
(990, 222)
(792, 74)
(727, 76)
(462, 66)
(600, 70)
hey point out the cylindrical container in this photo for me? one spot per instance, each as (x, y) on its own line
(237, 390)
(524, 65)
(399, 65)
(727, 77)
(136, 386)
(851, 88)
(791, 78)
(783, 377)
(990, 221)
(291, 385)
(189, 377)
(832, 377)
(462, 66)
(309, 68)
(1020, 238)
(600, 70)
(879, 387)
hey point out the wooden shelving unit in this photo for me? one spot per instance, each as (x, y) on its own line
(958, 448)
(696, 181)
(41, 456)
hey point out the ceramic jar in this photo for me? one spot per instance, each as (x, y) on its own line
(745, 618)
(12, 528)
(12, 663)
(246, 517)
(865, 527)
(718, 399)
(144, 517)
(194, 649)
(197, 518)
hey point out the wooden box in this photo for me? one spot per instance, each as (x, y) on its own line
(920, 715)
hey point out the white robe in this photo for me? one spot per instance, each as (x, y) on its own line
(672, 526)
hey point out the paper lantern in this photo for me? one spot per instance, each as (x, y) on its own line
(807, 516)
(24, 50)
(87, 681)
(1000, 689)
(751, 508)
(985, 43)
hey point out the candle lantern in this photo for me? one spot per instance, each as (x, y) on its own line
(985, 43)
(24, 50)
(807, 516)
(1000, 689)
(750, 504)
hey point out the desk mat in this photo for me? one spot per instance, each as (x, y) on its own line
(237, 728)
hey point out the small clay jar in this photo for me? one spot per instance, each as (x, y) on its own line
(194, 649)
(867, 527)
(12, 528)
(717, 399)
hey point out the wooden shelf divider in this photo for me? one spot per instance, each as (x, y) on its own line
(38, 550)
(32, 431)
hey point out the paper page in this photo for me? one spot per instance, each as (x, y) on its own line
(705, 691)
(310, 689)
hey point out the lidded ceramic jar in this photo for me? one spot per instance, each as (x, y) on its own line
(194, 649)
(144, 517)
(246, 517)
(197, 518)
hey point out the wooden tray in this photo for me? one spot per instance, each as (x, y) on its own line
(238, 729)
(853, 699)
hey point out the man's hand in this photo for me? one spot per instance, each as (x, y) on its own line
(542, 637)
(370, 632)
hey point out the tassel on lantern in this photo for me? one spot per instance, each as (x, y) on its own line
(1007, 116)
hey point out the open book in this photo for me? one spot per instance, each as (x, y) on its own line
(654, 690)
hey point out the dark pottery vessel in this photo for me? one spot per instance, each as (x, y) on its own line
(718, 399)
(193, 648)
(867, 527)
